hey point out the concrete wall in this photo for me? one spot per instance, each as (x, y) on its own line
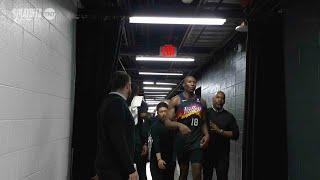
(228, 74)
(36, 89)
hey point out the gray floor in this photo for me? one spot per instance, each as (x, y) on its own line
(177, 172)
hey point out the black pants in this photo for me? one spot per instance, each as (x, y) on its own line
(141, 162)
(221, 164)
(165, 174)
(112, 174)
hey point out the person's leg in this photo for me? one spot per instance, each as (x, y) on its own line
(184, 169)
(207, 166)
(196, 171)
(111, 174)
(141, 168)
(169, 172)
(222, 168)
(196, 159)
(183, 160)
(155, 173)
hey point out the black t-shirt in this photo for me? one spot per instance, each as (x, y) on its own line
(219, 145)
(163, 141)
(142, 128)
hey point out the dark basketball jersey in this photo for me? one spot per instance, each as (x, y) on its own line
(189, 112)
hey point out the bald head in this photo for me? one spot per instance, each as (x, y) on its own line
(218, 100)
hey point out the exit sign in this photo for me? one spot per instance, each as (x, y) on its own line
(168, 50)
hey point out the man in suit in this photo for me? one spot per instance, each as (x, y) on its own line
(115, 151)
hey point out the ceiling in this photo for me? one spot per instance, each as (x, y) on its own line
(197, 41)
(191, 40)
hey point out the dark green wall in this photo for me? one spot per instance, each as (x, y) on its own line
(302, 66)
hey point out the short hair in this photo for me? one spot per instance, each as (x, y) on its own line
(220, 92)
(161, 105)
(119, 80)
(188, 76)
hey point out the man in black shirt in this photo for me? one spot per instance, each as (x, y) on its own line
(223, 127)
(115, 150)
(141, 134)
(162, 161)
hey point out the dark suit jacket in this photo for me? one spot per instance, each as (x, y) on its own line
(115, 151)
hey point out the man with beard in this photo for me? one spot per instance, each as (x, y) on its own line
(115, 150)
(190, 110)
(223, 127)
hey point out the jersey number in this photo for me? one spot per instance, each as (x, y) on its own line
(194, 122)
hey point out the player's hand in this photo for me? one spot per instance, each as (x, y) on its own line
(204, 141)
(214, 127)
(133, 176)
(184, 129)
(161, 164)
(144, 150)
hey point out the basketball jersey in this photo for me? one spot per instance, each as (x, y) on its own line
(190, 113)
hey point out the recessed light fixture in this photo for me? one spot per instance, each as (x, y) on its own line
(164, 59)
(156, 92)
(153, 103)
(148, 82)
(162, 83)
(158, 95)
(157, 88)
(160, 74)
(154, 99)
(176, 20)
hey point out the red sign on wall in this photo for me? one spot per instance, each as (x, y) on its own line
(168, 50)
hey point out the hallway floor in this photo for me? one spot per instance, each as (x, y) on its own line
(177, 172)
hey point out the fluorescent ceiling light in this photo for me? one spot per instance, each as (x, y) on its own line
(153, 100)
(161, 83)
(148, 82)
(152, 103)
(155, 92)
(161, 74)
(158, 95)
(165, 59)
(157, 88)
(156, 99)
(176, 20)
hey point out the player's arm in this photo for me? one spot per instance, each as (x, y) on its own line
(204, 125)
(168, 121)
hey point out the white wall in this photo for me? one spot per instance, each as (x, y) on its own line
(36, 89)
